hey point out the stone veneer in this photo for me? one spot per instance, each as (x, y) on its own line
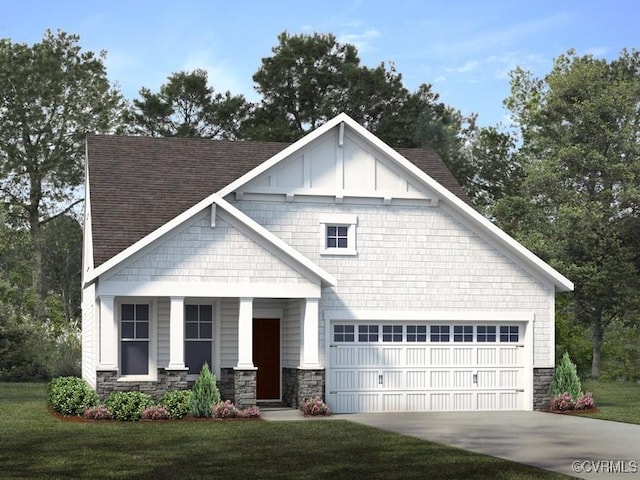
(541, 382)
(107, 382)
(298, 385)
(245, 388)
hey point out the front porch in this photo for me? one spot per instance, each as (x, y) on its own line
(259, 349)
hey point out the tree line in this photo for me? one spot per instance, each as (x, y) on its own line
(563, 179)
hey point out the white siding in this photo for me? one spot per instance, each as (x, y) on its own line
(291, 333)
(229, 310)
(164, 310)
(413, 259)
(89, 335)
(198, 252)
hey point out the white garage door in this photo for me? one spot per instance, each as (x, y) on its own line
(377, 367)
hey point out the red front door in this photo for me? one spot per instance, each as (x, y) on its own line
(266, 357)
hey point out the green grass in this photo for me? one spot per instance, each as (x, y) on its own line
(617, 401)
(35, 444)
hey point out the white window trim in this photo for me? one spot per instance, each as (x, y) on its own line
(342, 220)
(152, 376)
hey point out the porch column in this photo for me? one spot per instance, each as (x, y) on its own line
(108, 334)
(176, 334)
(310, 353)
(245, 335)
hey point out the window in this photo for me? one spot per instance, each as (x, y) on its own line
(392, 333)
(343, 333)
(439, 333)
(368, 333)
(509, 333)
(486, 333)
(198, 337)
(134, 339)
(463, 333)
(416, 333)
(338, 234)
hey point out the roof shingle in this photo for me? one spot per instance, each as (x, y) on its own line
(163, 177)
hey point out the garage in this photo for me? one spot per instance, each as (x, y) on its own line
(426, 366)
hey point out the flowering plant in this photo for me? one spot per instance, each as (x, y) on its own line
(250, 412)
(585, 402)
(225, 409)
(315, 407)
(562, 401)
(157, 412)
(97, 413)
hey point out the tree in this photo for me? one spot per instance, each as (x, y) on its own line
(51, 96)
(186, 106)
(581, 157)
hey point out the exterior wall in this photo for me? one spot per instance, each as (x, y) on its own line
(229, 311)
(198, 252)
(412, 258)
(163, 309)
(89, 337)
(291, 340)
(542, 378)
(107, 382)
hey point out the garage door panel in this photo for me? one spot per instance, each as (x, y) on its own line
(411, 375)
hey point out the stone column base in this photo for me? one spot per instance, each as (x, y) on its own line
(299, 385)
(542, 378)
(245, 388)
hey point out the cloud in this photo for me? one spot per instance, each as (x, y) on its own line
(362, 41)
(469, 66)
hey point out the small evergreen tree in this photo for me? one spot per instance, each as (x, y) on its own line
(205, 394)
(565, 379)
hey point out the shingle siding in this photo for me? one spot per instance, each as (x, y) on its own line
(412, 259)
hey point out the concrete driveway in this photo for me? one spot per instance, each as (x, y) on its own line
(577, 446)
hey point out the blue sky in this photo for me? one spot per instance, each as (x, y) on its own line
(465, 49)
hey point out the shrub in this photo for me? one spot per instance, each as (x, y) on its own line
(585, 402)
(250, 412)
(100, 412)
(205, 394)
(225, 410)
(315, 407)
(176, 402)
(70, 395)
(156, 412)
(563, 401)
(565, 379)
(128, 405)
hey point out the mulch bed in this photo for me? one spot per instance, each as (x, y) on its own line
(80, 419)
(588, 411)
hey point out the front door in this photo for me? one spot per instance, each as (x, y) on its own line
(266, 357)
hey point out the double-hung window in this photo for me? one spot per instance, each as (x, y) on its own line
(134, 339)
(198, 337)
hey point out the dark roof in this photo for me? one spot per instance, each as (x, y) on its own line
(163, 177)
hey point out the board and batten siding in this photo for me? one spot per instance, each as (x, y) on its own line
(412, 258)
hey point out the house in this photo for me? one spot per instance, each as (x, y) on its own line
(335, 266)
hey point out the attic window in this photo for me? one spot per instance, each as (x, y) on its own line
(338, 234)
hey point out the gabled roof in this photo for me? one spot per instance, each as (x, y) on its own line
(163, 177)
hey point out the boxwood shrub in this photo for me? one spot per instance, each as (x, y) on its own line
(70, 395)
(176, 402)
(128, 406)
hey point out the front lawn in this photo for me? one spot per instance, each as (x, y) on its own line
(35, 444)
(617, 401)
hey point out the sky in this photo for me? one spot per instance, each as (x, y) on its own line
(464, 49)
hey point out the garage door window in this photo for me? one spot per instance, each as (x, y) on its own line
(368, 333)
(343, 333)
(486, 333)
(509, 333)
(463, 333)
(392, 333)
(440, 333)
(416, 333)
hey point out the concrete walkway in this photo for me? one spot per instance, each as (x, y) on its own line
(577, 446)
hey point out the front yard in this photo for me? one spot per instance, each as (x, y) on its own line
(617, 401)
(35, 444)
